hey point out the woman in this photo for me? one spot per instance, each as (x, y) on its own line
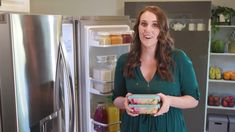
(154, 66)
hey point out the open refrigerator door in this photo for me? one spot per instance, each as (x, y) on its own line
(101, 46)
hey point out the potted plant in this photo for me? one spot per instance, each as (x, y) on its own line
(222, 15)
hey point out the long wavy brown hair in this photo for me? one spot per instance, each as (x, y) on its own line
(165, 45)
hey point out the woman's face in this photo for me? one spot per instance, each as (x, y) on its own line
(148, 29)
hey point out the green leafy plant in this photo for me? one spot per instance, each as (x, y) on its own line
(227, 12)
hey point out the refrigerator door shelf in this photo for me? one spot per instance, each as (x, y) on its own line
(105, 125)
(94, 43)
(100, 81)
(96, 92)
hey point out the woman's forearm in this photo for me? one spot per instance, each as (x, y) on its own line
(183, 102)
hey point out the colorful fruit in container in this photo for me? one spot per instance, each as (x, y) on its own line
(232, 76)
(213, 100)
(228, 101)
(229, 75)
(215, 72)
(212, 72)
(217, 46)
(218, 73)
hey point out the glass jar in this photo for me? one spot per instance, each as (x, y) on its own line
(126, 37)
(116, 38)
(102, 71)
(231, 47)
(112, 59)
(103, 38)
(102, 74)
(101, 117)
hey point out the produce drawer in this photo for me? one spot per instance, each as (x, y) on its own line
(231, 123)
(218, 123)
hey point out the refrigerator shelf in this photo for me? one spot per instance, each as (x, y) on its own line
(103, 124)
(100, 81)
(221, 81)
(96, 44)
(96, 92)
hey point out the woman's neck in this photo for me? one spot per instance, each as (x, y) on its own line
(148, 53)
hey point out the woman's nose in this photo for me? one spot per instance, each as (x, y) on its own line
(148, 28)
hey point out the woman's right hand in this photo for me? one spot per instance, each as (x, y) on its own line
(129, 111)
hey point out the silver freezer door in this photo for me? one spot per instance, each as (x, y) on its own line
(34, 40)
(63, 118)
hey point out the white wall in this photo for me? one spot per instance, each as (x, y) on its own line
(227, 3)
(95, 7)
(74, 7)
(85, 7)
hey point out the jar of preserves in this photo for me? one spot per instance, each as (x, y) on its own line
(116, 38)
(126, 37)
(100, 116)
(103, 38)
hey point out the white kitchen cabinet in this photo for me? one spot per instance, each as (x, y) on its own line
(220, 87)
(15, 6)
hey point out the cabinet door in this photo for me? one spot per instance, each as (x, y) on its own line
(14, 6)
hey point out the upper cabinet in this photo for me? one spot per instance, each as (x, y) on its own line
(15, 6)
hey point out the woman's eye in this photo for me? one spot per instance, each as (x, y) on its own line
(143, 24)
(155, 25)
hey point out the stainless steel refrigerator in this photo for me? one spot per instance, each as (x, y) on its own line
(36, 89)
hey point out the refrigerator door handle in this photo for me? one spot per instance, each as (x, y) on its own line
(43, 122)
(69, 84)
(70, 90)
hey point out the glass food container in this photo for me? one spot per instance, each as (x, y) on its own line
(231, 47)
(116, 38)
(102, 70)
(103, 38)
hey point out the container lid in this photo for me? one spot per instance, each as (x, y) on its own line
(220, 118)
(101, 58)
(148, 96)
(103, 33)
(145, 106)
(115, 33)
(128, 32)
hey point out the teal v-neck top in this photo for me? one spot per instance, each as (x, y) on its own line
(185, 83)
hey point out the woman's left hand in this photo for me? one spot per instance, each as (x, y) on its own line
(166, 103)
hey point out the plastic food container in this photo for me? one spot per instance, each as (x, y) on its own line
(144, 99)
(102, 86)
(144, 109)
